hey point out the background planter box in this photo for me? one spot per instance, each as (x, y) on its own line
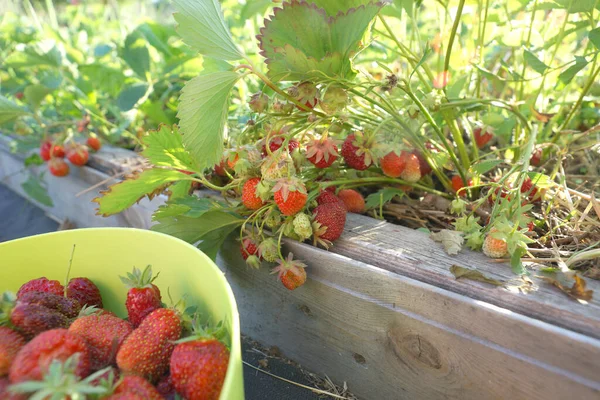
(382, 312)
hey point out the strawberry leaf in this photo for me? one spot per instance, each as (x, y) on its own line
(9, 110)
(36, 191)
(203, 112)
(164, 148)
(382, 197)
(334, 7)
(136, 54)
(535, 63)
(125, 194)
(189, 206)
(594, 36)
(35, 94)
(201, 25)
(180, 189)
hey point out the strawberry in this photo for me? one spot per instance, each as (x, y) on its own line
(499, 191)
(33, 360)
(221, 168)
(143, 296)
(531, 191)
(42, 284)
(458, 184)
(68, 307)
(290, 195)
(165, 387)
(85, 292)
(248, 248)
(249, 197)
(147, 350)
(268, 250)
(132, 385)
(45, 148)
(305, 93)
(536, 157)
(19, 95)
(483, 135)
(104, 333)
(33, 319)
(5, 394)
(58, 167)
(392, 164)
(322, 153)
(412, 167)
(58, 151)
(275, 143)
(334, 100)
(326, 197)
(357, 151)
(83, 123)
(425, 167)
(353, 200)
(329, 222)
(94, 143)
(259, 102)
(302, 226)
(10, 344)
(78, 155)
(493, 247)
(290, 272)
(199, 367)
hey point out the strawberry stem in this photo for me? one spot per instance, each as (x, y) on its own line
(69, 270)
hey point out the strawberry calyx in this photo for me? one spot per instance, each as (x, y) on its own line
(323, 152)
(289, 266)
(138, 279)
(287, 185)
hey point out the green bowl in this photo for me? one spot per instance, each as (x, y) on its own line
(104, 254)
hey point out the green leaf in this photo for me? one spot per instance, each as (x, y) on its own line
(189, 206)
(540, 180)
(156, 112)
(124, 194)
(385, 195)
(34, 159)
(456, 88)
(212, 226)
(157, 36)
(136, 54)
(131, 96)
(334, 7)
(567, 75)
(485, 166)
(35, 94)
(102, 49)
(594, 36)
(201, 25)
(108, 79)
(10, 111)
(203, 108)
(515, 261)
(294, 65)
(212, 242)
(51, 79)
(424, 57)
(164, 148)
(42, 53)
(180, 189)
(535, 63)
(36, 191)
(575, 6)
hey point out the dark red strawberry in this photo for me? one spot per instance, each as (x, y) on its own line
(248, 248)
(536, 157)
(33, 360)
(327, 196)
(531, 191)
(330, 220)
(143, 296)
(165, 387)
(33, 319)
(42, 285)
(483, 135)
(137, 386)
(68, 307)
(45, 148)
(11, 342)
(85, 292)
(356, 151)
(322, 153)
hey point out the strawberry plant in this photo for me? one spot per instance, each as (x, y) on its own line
(490, 109)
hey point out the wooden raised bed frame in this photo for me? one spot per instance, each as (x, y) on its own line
(381, 310)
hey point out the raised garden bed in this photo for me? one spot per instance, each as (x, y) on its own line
(382, 311)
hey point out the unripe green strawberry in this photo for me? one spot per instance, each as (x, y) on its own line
(253, 262)
(269, 250)
(303, 226)
(259, 102)
(334, 100)
(273, 219)
(494, 247)
(277, 166)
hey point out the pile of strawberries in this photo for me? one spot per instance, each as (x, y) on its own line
(58, 342)
(54, 153)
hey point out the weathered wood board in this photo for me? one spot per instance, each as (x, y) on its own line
(382, 312)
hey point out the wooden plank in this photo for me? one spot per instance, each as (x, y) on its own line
(413, 254)
(392, 337)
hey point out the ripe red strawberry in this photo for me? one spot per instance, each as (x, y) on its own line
(458, 183)
(165, 387)
(104, 333)
(483, 135)
(132, 385)
(499, 191)
(10, 344)
(68, 307)
(83, 123)
(329, 223)
(78, 155)
(33, 319)
(531, 191)
(322, 153)
(147, 350)
(291, 272)
(536, 157)
(275, 143)
(353, 200)
(94, 143)
(198, 368)
(326, 197)
(290, 195)
(221, 168)
(42, 284)
(143, 296)
(45, 148)
(356, 151)
(425, 167)
(392, 164)
(58, 167)
(5, 394)
(249, 197)
(412, 167)
(248, 248)
(58, 151)
(33, 360)
(85, 292)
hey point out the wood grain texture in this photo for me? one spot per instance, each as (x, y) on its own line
(392, 337)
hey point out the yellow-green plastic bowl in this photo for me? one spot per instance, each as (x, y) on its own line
(104, 254)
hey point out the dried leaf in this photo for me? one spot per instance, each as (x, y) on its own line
(542, 117)
(577, 291)
(474, 275)
(263, 363)
(451, 240)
